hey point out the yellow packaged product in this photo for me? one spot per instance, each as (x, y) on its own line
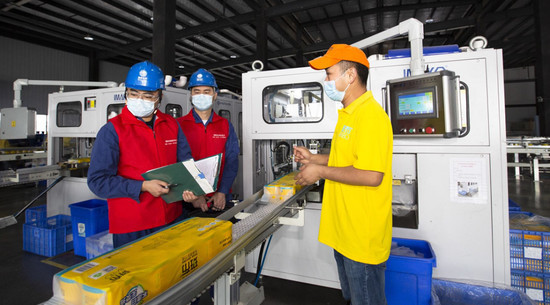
(271, 192)
(145, 268)
(281, 189)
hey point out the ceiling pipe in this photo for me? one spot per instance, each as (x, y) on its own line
(19, 83)
(231, 93)
(415, 31)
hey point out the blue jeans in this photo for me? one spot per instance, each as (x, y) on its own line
(361, 283)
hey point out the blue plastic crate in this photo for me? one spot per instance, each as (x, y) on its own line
(516, 263)
(88, 217)
(409, 279)
(518, 280)
(533, 252)
(516, 238)
(536, 287)
(516, 250)
(48, 237)
(35, 213)
(546, 247)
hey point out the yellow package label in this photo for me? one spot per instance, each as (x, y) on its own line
(271, 191)
(145, 268)
(287, 192)
(281, 189)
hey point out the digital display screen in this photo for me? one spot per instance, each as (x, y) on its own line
(416, 104)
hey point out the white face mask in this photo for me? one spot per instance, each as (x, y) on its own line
(139, 107)
(202, 101)
(331, 91)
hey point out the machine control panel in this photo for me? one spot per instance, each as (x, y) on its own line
(426, 105)
(428, 130)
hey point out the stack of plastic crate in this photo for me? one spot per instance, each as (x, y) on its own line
(530, 255)
(46, 236)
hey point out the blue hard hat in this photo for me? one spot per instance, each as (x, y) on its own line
(202, 77)
(145, 76)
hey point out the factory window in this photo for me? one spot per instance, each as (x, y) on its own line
(69, 114)
(225, 114)
(174, 110)
(113, 110)
(293, 103)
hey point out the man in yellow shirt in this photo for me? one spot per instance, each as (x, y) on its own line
(356, 215)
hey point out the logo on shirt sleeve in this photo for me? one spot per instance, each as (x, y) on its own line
(345, 132)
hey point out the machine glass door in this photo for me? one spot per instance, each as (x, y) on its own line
(293, 103)
(226, 114)
(173, 110)
(69, 114)
(113, 110)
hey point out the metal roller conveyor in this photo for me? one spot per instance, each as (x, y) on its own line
(247, 234)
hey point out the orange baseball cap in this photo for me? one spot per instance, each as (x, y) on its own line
(337, 53)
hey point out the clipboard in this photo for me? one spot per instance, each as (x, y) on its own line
(188, 175)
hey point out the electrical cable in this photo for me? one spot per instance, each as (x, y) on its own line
(259, 266)
(259, 271)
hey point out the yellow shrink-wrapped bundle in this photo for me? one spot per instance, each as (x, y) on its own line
(281, 189)
(139, 271)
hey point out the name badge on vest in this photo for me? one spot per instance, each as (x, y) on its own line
(219, 136)
(170, 142)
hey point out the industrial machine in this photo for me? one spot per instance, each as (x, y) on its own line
(75, 118)
(449, 163)
(22, 160)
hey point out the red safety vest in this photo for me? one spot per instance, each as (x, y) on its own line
(206, 141)
(142, 149)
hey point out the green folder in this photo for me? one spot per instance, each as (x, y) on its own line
(188, 176)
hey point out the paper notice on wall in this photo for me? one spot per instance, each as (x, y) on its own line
(469, 180)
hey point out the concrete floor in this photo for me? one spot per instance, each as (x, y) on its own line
(26, 278)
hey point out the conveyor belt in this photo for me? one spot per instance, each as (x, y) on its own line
(247, 234)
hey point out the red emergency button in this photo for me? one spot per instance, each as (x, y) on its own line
(430, 130)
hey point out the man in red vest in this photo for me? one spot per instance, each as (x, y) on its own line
(209, 134)
(137, 140)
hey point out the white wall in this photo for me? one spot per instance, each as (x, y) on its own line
(25, 60)
(519, 86)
